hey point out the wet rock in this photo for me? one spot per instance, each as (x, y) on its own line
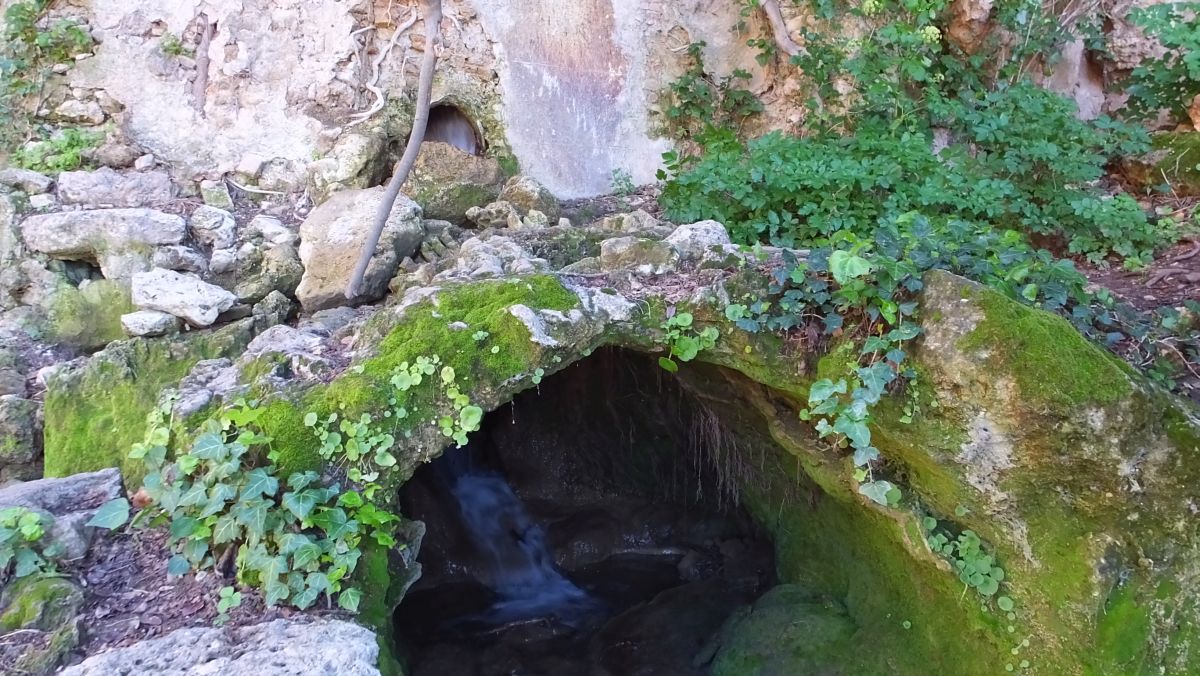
(105, 187)
(28, 182)
(288, 647)
(526, 194)
(120, 240)
(332, 236)
(447, 182)
(643, 256)
(20, 439)
(213, 227)
(185, 296)
(150, 323)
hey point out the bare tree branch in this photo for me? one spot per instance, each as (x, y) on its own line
(779, 28)
(432, 12)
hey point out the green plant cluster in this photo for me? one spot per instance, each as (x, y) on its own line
(62, 151)
(29, 47)
(23, 551)
(225, 506)
(1170, 81)
(975, 567)
(697, 102)
(1015, 155)
(684, 341)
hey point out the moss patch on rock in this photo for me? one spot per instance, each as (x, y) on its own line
(95, 412)
(88, 316)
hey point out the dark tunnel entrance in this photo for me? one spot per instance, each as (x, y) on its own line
(590, 527)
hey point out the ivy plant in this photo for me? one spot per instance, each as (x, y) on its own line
(23, 549)
(683, 340)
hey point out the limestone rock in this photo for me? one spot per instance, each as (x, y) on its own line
(119, 239)
(632, 222)
(446, 181)
(493, 257)
(106, 187)
(43, 605)
(20, 439)
(1170, 161)
(216, 194)
(28, 182)
(184, 296)
(180, 258)
(115, 154)
(271, 230)
(80, 112)
(643, 256)
(213, 227)
(262, 270)
(332, 235)
(526, 194)
(87, 316)
(703, 242)
(971, 23)
(494, 215)
(279, 646)
(71, 501)
(149, 323)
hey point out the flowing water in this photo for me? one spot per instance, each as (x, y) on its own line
(522, 570)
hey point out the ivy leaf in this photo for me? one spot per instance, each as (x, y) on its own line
(877, 376)
(259, 482)
(856, 431)
(209, 447)
(253, 515)
(184, 526)
(300, 503)
(275, 591)
(178, 565)
(28, 562)
(195, 495)
(668, 365)
(111, 514)
(824, 389)
(305, 555)
(864, 456)
(845, 266)
(877, 491)
(226, 530)
(349, 599)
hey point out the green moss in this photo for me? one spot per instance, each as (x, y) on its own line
(88, 316)
(858, 560)
(94, 415)
(39, 602)
(1122, 633)
(426, 331)
(1175, 162)
(1050, 361)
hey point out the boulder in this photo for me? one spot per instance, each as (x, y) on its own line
(703, 242)
(74, 111)
(120, 240)
(526, 194)
(270, 230)
(213, 227)
(281, 647)
(149, 323)
(642, 256)
(1172, 161)
(115, 154)
(216, 194)
(264, 270)
(20, 439)
(180, 258)
(447, 181)
(106, 187)
(71, 501)
(28, 182)
(332, 236)
(87, 316)
(494, 215)
(42, 606)
(182, 295)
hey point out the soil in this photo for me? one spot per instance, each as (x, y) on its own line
(130, 598)
(1172, 279)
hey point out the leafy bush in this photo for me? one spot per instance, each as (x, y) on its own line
(61, 152)
(22, 549)
(1172, 80)
(29, 48)
(294, 538)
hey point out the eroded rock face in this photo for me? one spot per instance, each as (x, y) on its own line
(446, 181)
(108, 188)
(280, 646)
(120, 240)
(20, 439)
(332, 237)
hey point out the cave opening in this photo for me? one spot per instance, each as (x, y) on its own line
(592, 526)
(447, 124)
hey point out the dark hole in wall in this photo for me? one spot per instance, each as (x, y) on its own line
(627, 480)
(447, 124)
(78, 271)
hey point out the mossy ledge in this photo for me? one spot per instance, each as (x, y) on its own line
(1075, 471)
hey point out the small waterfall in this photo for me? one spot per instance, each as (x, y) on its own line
(522, 570)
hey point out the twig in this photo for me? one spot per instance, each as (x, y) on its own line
(1195, 240)
(779, 28)
(1163, 273)
(257, 191)
(433, 20)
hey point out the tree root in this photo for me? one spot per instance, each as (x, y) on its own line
(779, 28)
(200, 86)
(433, 18)
(372, 84)
(1165, 273)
